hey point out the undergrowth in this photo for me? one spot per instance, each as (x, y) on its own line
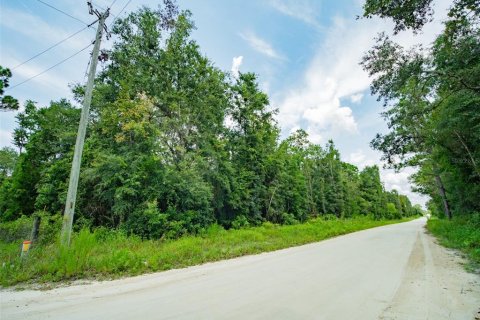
(106, 254)
(461, 233)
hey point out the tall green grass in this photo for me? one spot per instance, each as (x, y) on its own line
(461, 233)
(109, 254)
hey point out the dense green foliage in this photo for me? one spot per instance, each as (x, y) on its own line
(18, 230)
(105, 253)
(8, 158)
(7, 102)
(432, 96)
(175, 145)
(460, 233)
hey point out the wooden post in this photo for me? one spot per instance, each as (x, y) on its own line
(35, 229)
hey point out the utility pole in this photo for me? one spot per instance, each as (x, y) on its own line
(82, 128)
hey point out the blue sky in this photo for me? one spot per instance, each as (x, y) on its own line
(306, 55)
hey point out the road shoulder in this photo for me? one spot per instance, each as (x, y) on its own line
(435, 285)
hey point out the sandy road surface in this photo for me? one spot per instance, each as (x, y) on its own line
(391, 272)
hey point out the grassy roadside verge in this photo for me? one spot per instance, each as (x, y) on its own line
(462, 233)
(104, 254)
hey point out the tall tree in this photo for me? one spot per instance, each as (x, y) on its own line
(252, 141)
(46, 137)
(432, 98)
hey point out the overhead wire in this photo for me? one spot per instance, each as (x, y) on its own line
(111, 4)
(63, 12)
(54, 45)
(58, 43)
(118, 14)
(55, 65)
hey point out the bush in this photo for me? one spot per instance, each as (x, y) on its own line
(50, 227)
(21, 229)
(214, 230)
(17, 230)
(149, 222)
(240, 222)
(288, 219)
(461, 233)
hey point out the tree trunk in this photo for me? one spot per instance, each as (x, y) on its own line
(443, 195)
(324, 210)
(472, 159)
(270, 202)
(35, 229)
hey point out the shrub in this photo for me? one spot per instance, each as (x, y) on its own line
(149, 222)
(461, 232)
(16, 230)
(240, 222)
(20, 229)
(288, 219)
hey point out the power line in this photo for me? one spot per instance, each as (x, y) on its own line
(55, 65)
(53, 46)
(73, 55)
(111, 4)
(61, 11)
(128, 2)
(115, 18)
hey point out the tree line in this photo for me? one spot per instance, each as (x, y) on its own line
(175, 144)
(432, 101)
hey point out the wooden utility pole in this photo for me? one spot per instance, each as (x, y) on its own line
(82, 128)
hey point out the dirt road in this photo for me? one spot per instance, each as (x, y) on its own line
(391, 272)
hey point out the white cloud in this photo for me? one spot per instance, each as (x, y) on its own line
(361, 160)
(5, 138)
(356, 157)
(48, 79)
(356, 98)
(260, 45)
(301, 9)
(236, 63)
(333, 74)
(331, 116)
(396, 180)
(400, 182)
(314, 135)
(38, 30)
(334, 79)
